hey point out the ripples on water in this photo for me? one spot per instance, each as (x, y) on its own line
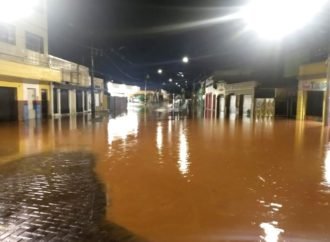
(179, 179)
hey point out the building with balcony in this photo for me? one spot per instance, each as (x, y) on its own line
(72, 94)
(25, 75)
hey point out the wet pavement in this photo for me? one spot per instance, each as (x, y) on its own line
(55, 197)
(166, 179)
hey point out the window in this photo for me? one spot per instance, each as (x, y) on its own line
(34, 42)
(8, 33)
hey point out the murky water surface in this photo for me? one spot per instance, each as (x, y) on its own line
(179, 179)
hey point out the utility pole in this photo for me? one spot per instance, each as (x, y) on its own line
(145, 89)
(92, 83)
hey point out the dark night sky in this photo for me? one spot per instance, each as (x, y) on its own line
(140, 36)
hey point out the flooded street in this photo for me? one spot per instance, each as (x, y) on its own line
(179, 179)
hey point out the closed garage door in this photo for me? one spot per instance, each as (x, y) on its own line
(8, 104)
(65, 101)
(79, 101)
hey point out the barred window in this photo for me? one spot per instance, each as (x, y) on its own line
(34, 42)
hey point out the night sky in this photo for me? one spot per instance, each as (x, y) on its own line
(138, 37)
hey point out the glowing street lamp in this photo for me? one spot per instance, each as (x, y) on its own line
(170, 80)
(12, 10)
(160, 71)
(185, 60)
(275, 19)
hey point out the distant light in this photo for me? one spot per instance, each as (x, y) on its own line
(185, 59)
(275, 19)
(170, 80)
(160, 71)
(12, 10)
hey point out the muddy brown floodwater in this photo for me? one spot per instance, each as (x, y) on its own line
(186, 180)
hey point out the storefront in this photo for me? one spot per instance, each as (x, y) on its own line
(240, 98)
(214, 98)
(311, 103)
(311, 99)
(25, 91)
(69, 99)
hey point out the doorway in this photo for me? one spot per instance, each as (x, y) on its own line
(31, 103)
(79, 101)
(247, 105)
(44, 103)
(314, 106)
(8, 104)
(65, 101)
(232, 104)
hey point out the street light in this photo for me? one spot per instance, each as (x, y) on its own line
(170, 80)
(185, 60)
(275, 19)
(12, 10)
(160, 71)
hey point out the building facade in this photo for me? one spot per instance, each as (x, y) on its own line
(72, 94)
(34, 84)
(214, 105)
(312, 89)
(243, 99)
(25, 75)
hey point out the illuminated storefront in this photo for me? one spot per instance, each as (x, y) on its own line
(311, 103)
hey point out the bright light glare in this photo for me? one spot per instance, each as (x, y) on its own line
(271, 232)
(122, 127)
(274, 19)
(12, 10)
(160, 71)
(185, 59)
(121, 90)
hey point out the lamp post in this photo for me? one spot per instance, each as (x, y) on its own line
(185, 59)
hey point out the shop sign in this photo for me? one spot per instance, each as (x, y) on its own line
(314, 85)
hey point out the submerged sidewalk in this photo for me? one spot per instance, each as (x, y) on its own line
(55, 197)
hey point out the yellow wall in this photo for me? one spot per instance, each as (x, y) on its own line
(301, 105)
(12, 69)
(18, 84)
(319, 68)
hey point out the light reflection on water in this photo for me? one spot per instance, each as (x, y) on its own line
(159, 138)
(183, 161)
(326, 170)
(271, 232)
(123, 126)
(234, 163)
